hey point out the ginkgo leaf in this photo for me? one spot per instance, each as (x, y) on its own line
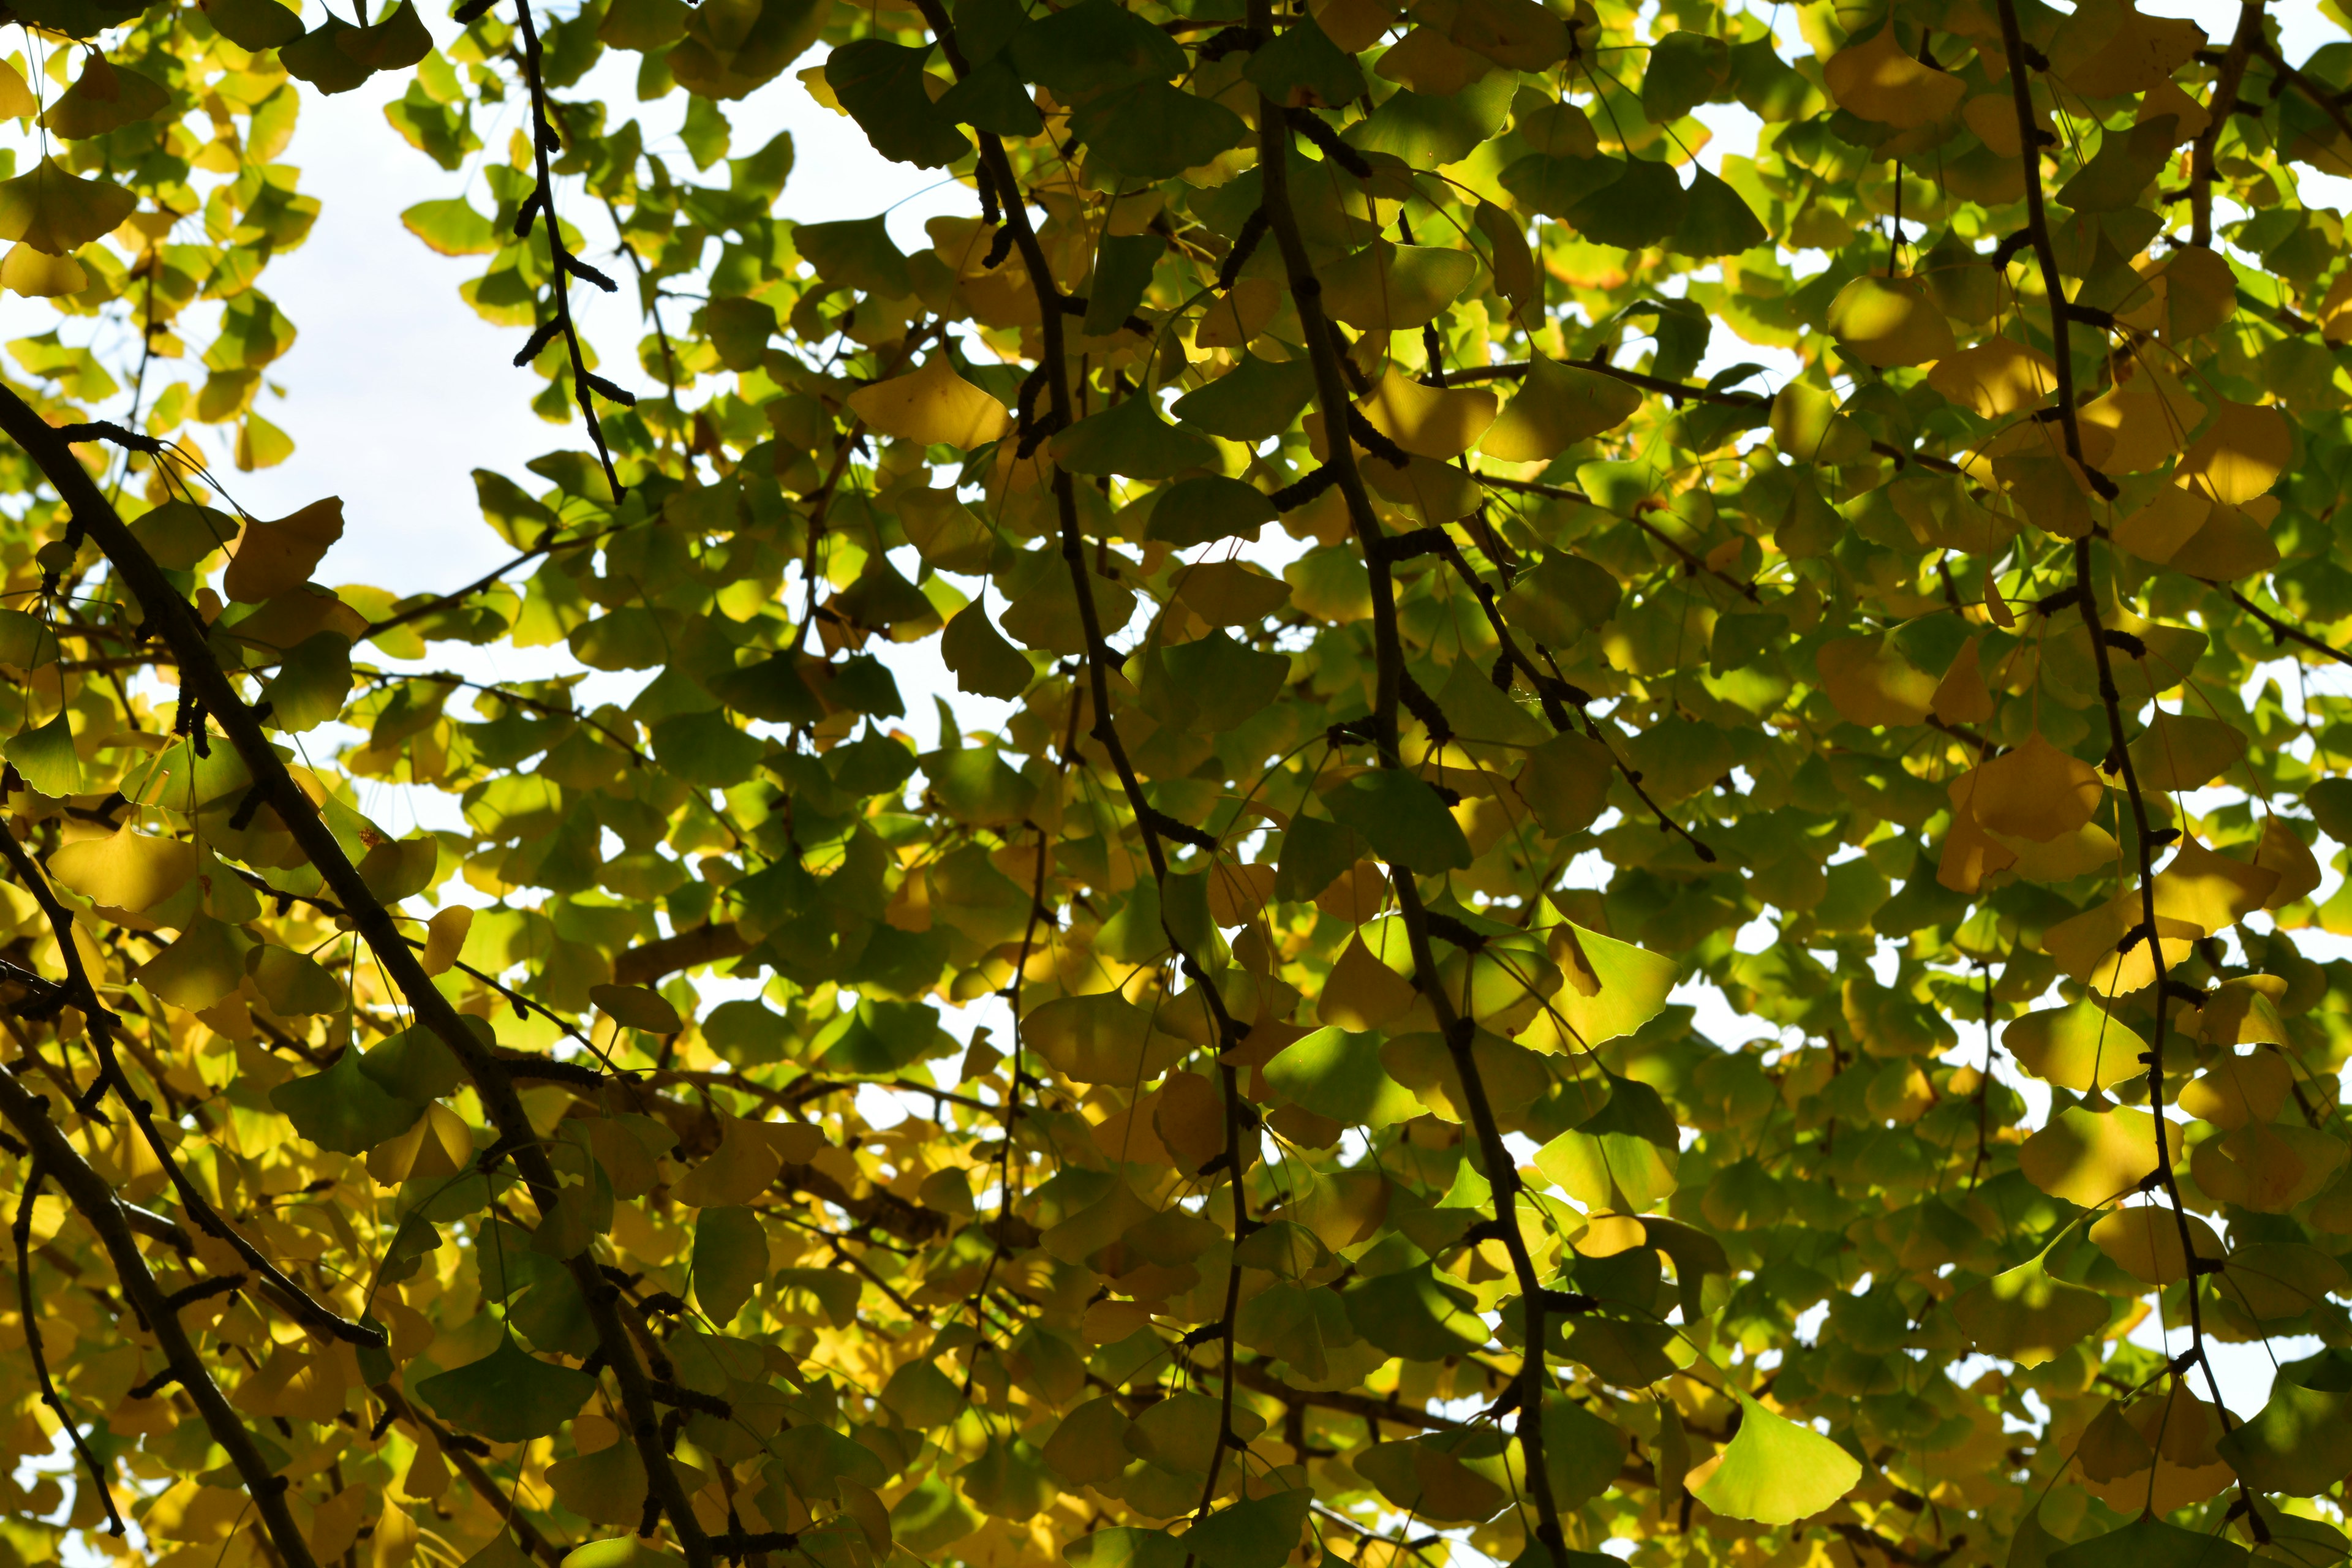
(2035, 792)
(2091, 1157)
(29, 272)
(2207, 890)
(1361, 992)
(2156, 531)
(16, 99)
(1871, 684)
(273, 558)
(1610, 988)
(1338, 1074)
(2145, 1241)
(54, 212)
(2237, 1089)
(507, 1396)
(2080, 1047)
(637, 1007)
(933, 406)
(1432, 422)
(2028, 1315)
(2231, 543)
(1996, 377)
(1774, 1472)
(1395, 287)
(2240, 455)
(735, 1172)
(1556, 406)
(104, 98)
(2185, 750)
(1889, 321)
(126, 869)
(1876, 79)
(1961, 697)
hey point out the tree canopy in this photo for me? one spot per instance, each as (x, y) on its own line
(1391, 690)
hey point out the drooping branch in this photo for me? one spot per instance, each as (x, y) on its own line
(93, 1198)
(201, 675)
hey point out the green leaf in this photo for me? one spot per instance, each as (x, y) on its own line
(2079, 1047)
(1641, 208)
(312, 684)
(1775, 1471)
(984, 664)
(1716, 220)
(44, 757)
(2300, 1443)
(1132, 439)
(415, 1065)
(2149, 1543)
(1403, 820)
(1255, 399)
(1123, 265)
(2028, 1315)
(1339, 1075)
(1207, 508)
(204, 962)
(1257, 1533)
(730, 1259)
(881, 85)
(1155, 132)
(1095, 47)
(1426, 131)
(1303, 69)
(1414, 1314)
(1685, 70)
(990, 98)
(344, 1108)
(451, 227)
(855, 253)
(1124, 1546)
(509, 1395)
(1613, 987)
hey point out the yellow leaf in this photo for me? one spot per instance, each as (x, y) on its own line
(2242, 453)
(1556, 406)
(1873, 685)
(1960, 697)
(2282, 849)
(2236, 1090)
(2232, 543)
(1430, 63)
(1102, 1039)
(2201, 292)
(2109, 49)
(2078, 1047)
(738, 1171)
(1428, 421)
(445, 938)
(2144, 1242)
(2161, 528)
(2036, 791)
(2144, 426)
(2211, 892)
(933, 406)
(28, 272)
(2092, 1158)
(1889, 321)
(274, 558)
(2266, 1168)
(1996, 377)
(1230, 594)
(1876, 80)
(1239, 315)
(1362, 994)
(2183, 750)
(1970, 854)
(2240, 1012)
(52, 211)
(2089, 848)
(124, 869)
(17, 100)
(2087, 946)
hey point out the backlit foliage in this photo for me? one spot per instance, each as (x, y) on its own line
(1390, 660)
